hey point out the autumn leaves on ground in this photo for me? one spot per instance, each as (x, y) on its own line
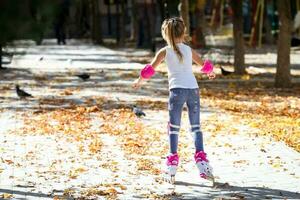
(97, 147)
(274, 113)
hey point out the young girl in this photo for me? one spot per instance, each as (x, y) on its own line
(183, 89)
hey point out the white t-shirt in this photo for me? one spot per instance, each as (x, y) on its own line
(180, 74)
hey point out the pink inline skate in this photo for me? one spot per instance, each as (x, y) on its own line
(203, 165)
(172, 164)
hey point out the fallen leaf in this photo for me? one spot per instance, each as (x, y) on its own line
(6, 196)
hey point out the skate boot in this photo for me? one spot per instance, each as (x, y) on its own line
(172, 164)
(203, 165)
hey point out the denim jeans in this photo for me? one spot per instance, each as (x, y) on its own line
(178, 97)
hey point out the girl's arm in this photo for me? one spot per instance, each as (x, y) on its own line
(158, 58)
(197, 59)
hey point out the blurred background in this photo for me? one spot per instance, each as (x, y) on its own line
(136, 23)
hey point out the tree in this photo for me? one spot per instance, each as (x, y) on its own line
(184, 12)
(239, 51)
(13, 21)
(7, 33)
(283, 75)
(82, 21)
(200, 24)
(1, 56)
(134, 22)
(152, 21)
(120, 23)
(24, 19)
(145, 21)
(96, 22)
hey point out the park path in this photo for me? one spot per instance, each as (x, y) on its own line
(42, 166)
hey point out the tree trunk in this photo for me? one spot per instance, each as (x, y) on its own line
(239, 51)
(147, 24)
(1, 56)
(134, 21)
(98, 32)
(201, 24)
(153, 22)
(96, 22)
(141, 20)
(144, 15)
(91, 9)
(117, 22)
(121, 42)
(283, 75)
(80, 26)
(184, 12)
(109, 19)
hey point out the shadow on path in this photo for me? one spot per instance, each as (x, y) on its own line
(25, 194)
(226, 191)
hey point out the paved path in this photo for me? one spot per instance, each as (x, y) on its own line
(45, 166)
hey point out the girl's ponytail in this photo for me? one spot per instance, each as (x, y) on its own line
(172, 29)
(172, 40)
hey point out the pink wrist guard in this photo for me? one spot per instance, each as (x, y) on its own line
(147, 72)
(207, 67)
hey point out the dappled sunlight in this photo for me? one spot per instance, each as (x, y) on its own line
(80, 139)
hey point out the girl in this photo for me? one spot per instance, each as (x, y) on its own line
(183, 89)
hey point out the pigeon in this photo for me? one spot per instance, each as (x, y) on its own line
(84, 76)
(22, 93)
(138, 112)
(224, 72)
(295, 42)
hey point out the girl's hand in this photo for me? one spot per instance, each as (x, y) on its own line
(137, 83)
(211, 75)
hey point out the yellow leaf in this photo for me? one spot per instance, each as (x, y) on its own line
(80, 170)
(227, 145)
(55, 198)
(240, 162)
(245, 77)
(276, 165)
(231, 94)
(6, 196)
(111, 191)
(9, 162)
(231, 85)
(123, 187)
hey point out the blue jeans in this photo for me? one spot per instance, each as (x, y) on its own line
(178, 97)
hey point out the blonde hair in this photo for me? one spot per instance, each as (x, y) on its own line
(171, 29)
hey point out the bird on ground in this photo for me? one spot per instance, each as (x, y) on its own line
(138, 112)
(83, 76)
(225, 72)
(21, 93)
(295, 42)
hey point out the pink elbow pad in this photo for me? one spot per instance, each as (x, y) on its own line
(147, 72)
(207, 67)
